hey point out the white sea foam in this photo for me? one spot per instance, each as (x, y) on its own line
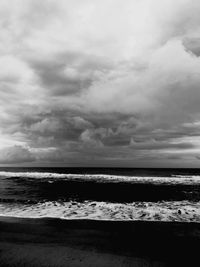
(176, 179)
(183, 211)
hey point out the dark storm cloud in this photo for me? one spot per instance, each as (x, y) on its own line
(68, 73)
(57, 129)
(192, 45)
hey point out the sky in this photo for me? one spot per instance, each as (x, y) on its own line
(100, 83)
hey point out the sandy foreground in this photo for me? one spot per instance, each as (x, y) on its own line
(56, 242)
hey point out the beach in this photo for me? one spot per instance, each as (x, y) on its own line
(56, 242)
(99, 218)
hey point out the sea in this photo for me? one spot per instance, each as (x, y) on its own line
(101, 193)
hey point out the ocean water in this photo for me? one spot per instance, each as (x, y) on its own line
(101, 193)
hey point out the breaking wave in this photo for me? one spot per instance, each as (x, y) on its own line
(103, 178)
(182, 211)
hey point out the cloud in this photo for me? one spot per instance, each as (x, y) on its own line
(103, 80)
(15, 154)
(192, 45)
(68, 73)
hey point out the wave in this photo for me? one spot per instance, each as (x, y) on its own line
(103, 178)
(15, 200)
(182, 211)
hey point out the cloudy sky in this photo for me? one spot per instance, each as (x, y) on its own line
(100, 83)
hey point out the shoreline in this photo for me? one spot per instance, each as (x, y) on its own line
(59, 242)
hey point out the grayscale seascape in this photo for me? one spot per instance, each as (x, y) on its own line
(99, 133)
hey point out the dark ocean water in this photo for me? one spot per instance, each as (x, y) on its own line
(101, 193)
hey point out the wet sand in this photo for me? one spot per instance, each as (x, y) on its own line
(56, 242)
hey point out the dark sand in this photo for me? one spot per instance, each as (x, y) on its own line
(55, 242)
